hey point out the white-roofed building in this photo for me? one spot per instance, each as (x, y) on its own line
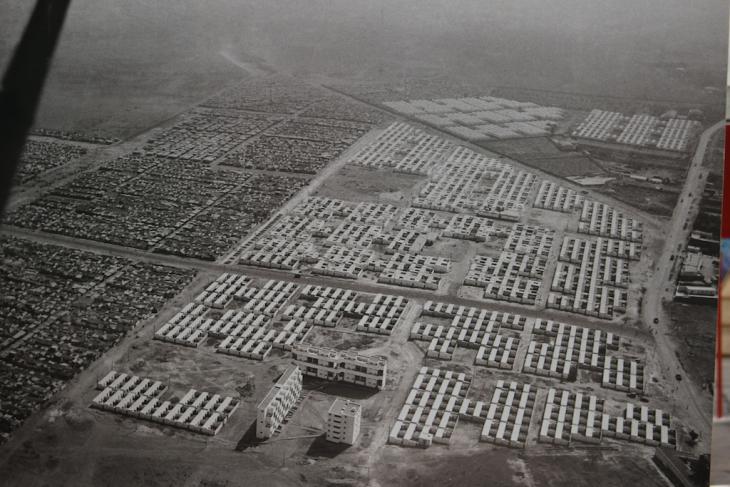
(343, 421)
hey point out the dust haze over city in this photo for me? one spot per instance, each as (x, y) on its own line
(168, 53)
(369, 243)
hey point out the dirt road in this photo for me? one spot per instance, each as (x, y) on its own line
(660, 288)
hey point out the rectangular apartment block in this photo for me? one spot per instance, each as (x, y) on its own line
(343, 421)
(272, 410)
(337, 366)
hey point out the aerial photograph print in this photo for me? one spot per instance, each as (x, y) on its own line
(466, 243)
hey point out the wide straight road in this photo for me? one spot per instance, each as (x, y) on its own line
(659, 288)
(317, 280)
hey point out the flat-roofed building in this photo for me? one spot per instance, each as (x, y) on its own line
(343, 421)
(272, 410)
(336, 366)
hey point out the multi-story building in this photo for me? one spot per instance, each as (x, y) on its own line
(343, 421)
(272, 410)
(333, 365)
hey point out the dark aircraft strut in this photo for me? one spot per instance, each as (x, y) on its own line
(23, 83)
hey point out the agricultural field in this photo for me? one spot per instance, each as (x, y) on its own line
(524, 149)
(568, 166)
(646, 197)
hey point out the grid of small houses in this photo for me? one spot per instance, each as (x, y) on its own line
(465, 196)
(444, 327)
(440, 396)
(244, 312)
(335, 238)
(250, 320)
(592, 276)
(570, 417)
(516, 274)
(639, 130)
(552, 196)
(390, 245)
(482, 118)
(553, 349)
(438, 399)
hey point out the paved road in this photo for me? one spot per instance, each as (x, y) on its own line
(360, 286)
(677, 233)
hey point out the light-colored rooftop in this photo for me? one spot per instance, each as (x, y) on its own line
(345, 407)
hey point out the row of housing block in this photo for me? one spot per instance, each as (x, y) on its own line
(432, 408)
(580, 417)
(339, 366)
(558, 349)
(326, 306)
(551, 196)
(403, 148)
(315, 233)
(251, 330)
(138, 397)
(278, 403)
(437, 400)
(508, 418)
(575, 416)
(248, 331)
(640, 130)
(472, 328)
(516, 274)
(589, 277)
(621, 374)
(640, 425)
(605, 221)
(493, 350)
(571, 417)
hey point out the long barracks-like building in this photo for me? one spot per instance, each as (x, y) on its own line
(334, 365)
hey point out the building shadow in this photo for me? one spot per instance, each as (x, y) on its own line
(320, 447)
(341, 389)
(249, 440)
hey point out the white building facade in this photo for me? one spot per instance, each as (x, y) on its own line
(272, 410)
(343, 421)
(334, 365)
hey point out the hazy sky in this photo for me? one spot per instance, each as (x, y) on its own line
(141, 49)
(275, 26)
